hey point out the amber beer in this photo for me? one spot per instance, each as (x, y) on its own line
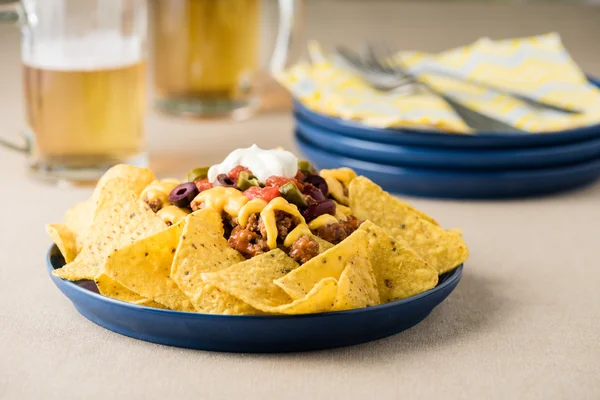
(205, 51)
(85, 112)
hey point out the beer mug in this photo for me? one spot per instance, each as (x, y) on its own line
(83, 82)
(206, 53)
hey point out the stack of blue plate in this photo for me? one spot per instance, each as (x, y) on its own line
(433, 164)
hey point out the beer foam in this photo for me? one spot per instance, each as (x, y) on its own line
(99, 50)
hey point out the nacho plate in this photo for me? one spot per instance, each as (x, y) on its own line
(251, 333)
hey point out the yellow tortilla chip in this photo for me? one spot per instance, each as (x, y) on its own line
(121, 219)
(324, 245)
(252, 280)
(110, 288)
(149, 303)
(134, 178)
(319, 299)
(212, 218)
(203, 249)
(441, 249)
(64, 238)
(399, 271)
(357, 287)
(144, 267)
(329, 264)
(78, 219)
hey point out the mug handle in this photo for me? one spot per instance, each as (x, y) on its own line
(9, 13)
(290, 14)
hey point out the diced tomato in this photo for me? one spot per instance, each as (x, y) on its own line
(299, 176)
(266, 193)
(278, 181)
(203, 185)
(235, 172)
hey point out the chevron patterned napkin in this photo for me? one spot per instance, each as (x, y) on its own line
(537, 67)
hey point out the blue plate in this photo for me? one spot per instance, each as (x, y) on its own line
(460, 184)
(436, 139)
(423, 157)
(251, 334)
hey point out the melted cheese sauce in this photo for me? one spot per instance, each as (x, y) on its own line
(172, 214)
(221, 199)
(159, 190)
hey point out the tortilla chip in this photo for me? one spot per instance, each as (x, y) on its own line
(135, 178)
(252, 280)
(203, 249)
(213, 218)
(324, 245)
(367, 192)
(319, 299)
(150, 303)
(121, 219)
(144, 267)
(442, 250)
(110, 288)
(357, 287)
(64, 238)
(79, 219)
(399, 271)
(329, 264)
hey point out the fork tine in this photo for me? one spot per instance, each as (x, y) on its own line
(373, 59)
(368, 67)
(353, 59)
(386, 56)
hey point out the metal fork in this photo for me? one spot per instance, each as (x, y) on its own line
(382, 56)
(380, 74)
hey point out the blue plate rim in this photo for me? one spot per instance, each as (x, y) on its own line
(490, 174)
(454, 152)
(453, 276)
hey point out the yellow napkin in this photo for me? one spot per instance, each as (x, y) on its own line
(538, 67)
(327, 87)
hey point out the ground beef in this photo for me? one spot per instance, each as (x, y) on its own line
(248, 243)
(285, 223)
(228, 224)
(309, 200)
(155, 204)
(304, 249)
(335, 233)
(253, 224)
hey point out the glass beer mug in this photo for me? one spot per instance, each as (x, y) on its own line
(83, 82)
(206, 54)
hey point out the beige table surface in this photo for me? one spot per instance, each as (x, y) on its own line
(524, 323)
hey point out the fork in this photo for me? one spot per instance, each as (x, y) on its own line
(378, 75)
(382, 56)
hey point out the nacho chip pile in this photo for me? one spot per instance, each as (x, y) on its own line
(115, 239)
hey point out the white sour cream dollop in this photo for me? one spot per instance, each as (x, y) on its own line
(262, 163)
